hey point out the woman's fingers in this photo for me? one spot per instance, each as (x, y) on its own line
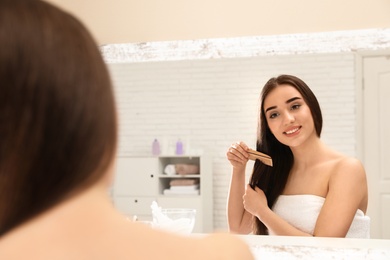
(243, 145)
(239, 150)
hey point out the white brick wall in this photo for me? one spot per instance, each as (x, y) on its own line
(211, 103)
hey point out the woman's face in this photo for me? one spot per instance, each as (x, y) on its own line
(288, 116)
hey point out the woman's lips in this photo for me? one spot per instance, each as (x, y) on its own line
(292, 131)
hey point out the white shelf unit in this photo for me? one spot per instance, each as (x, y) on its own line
(141, 180)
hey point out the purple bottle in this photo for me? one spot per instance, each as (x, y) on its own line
(179, 148)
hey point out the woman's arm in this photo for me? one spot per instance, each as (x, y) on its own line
(347, 193)
(239, 220)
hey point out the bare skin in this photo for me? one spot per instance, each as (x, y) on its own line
(88, 227)
(317, 170)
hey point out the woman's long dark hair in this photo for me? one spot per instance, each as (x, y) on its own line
(57, 110)
(272, 180)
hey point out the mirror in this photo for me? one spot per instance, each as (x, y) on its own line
(206, 92)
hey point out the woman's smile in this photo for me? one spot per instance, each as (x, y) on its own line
(292, 131)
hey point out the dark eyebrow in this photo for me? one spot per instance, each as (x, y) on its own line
(288, 101)
(292, 99)
(270, 108)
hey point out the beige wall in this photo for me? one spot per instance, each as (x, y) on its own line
(130, 21)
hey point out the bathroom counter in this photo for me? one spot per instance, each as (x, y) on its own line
(284, 247)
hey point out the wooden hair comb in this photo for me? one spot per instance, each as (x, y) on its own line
(264, 158)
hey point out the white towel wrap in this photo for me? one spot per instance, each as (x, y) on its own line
(302, 212)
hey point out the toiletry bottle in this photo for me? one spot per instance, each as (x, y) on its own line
(156, 148)
(179, 147)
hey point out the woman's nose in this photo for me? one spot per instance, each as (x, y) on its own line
(288, 118)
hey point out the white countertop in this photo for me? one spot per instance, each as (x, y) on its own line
(283, 247)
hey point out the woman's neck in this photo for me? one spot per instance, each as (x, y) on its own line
(311, 152)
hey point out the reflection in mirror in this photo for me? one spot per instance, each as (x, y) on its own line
(206, 92)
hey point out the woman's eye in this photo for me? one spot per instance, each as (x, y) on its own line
(273, 115)
(296, 106)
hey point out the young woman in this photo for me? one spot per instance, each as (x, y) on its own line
(311, 190)
(58, 139)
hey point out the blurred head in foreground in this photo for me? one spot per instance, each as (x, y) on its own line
(57, 111)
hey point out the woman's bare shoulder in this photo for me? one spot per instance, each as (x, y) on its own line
(348, 174)
(207, 246)
(346, 165)
(227, 246)
(202, 246)
(131, 241)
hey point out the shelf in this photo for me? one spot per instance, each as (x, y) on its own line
(177, 176)
(179, 196)
(141, 180)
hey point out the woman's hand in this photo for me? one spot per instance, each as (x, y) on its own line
(238, 155)
(255, 201)
(239, 220)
